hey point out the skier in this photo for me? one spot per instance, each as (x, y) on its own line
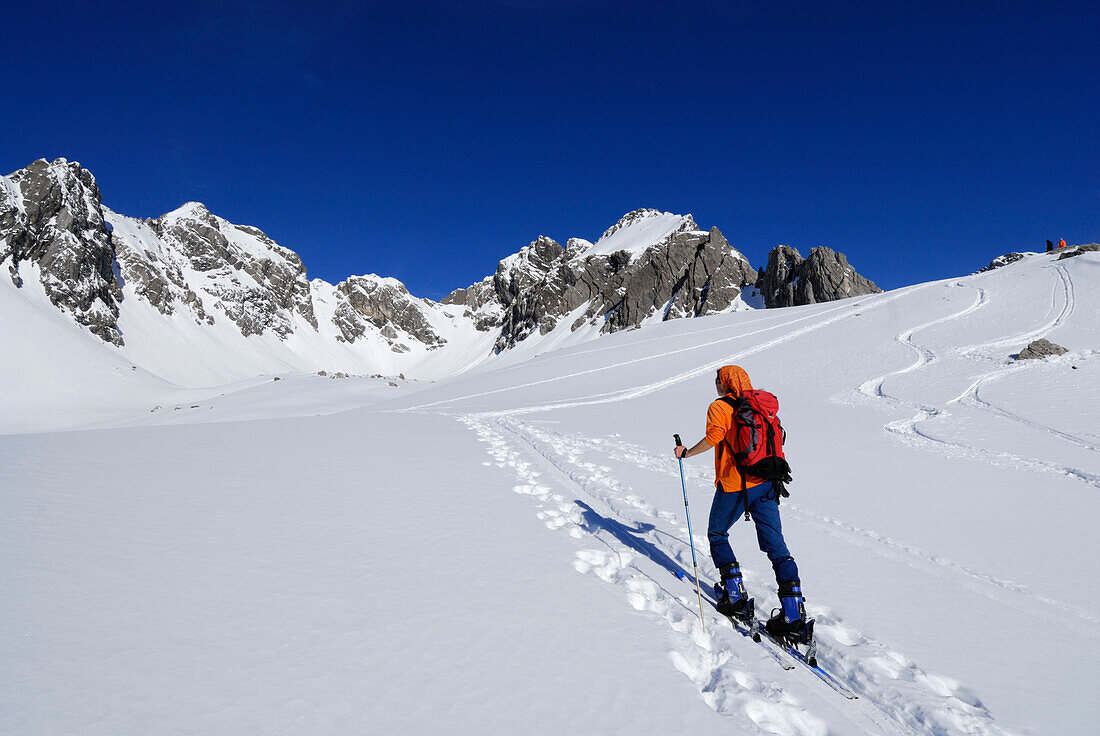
(1050, 246)
(732, 490)
(1061, 242)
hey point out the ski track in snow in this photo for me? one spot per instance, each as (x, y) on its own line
(981, 582)
(839, 313)
(628, 542)
(640, 547)
(640, 391)
(971, 397)
(909, 430)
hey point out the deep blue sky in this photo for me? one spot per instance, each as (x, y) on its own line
(426, 141)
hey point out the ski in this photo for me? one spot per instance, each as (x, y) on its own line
(751, 630)
(809, 659)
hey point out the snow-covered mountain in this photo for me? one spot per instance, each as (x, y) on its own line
(195, 299)
(497, 551)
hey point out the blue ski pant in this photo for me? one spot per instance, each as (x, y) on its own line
(727, 508)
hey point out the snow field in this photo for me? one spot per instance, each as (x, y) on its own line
(217, 579)
(498, 551)
(1005, 528)
(642, 557)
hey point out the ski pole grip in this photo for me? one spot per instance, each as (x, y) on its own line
(677, 438)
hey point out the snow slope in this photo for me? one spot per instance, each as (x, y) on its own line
(637, 231)
(407, 558)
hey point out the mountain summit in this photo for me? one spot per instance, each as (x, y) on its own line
(178, 290)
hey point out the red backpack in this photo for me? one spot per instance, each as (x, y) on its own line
(756, 439)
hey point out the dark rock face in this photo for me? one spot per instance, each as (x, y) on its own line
(1002, 261)
(483, 307)
(51, 215)
(1040, 349)
(688, 273)
(258, 284)
(789, 280)
(1079, 250)
(188, 260)
(386, 304)
(650, 265)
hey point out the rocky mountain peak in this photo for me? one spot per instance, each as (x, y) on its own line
(51, 216)
(650, 265)
(791, 280)
(386, 304)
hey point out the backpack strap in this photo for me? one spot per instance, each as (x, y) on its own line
(733, 403)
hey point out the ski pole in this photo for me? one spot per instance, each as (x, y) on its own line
(691, 538)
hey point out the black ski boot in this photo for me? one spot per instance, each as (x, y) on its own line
(789, 623)
(730, 594)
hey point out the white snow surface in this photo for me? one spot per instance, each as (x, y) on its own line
(495, 552)
(636, 232)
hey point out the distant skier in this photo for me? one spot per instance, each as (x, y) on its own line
(1050, 246)
(1061, 242)
(729, 503)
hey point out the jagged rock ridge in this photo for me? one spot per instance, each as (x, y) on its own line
(192, 265)
(791, 280)
(51, 216)
(686, 273)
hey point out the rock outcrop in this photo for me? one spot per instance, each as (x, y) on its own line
(201, 272)
(684, 273)
(790, 280)
(1039, 349)
(387, 305)
(51, 216)
(1076, 250)
(1002, 261)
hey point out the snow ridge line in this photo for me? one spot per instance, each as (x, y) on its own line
(595, 347)
(889, 698)
(650, 388)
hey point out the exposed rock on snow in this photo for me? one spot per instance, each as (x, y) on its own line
(50, 215)
(386, 304)
(1078, 250)
(789, 280)
(258, 284)
(1041, 349)
(1002, 261)
(685, 273)
(190, 263)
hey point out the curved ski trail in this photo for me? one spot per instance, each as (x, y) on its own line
(908, 429)
(628, 542)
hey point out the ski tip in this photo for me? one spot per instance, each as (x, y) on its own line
(680, 574)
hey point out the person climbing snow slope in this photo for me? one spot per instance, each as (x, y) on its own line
(734, 491)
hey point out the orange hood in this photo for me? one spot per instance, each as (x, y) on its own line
(735, 379)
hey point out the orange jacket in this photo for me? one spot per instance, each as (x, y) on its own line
(1062, 243)
(719, 420)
